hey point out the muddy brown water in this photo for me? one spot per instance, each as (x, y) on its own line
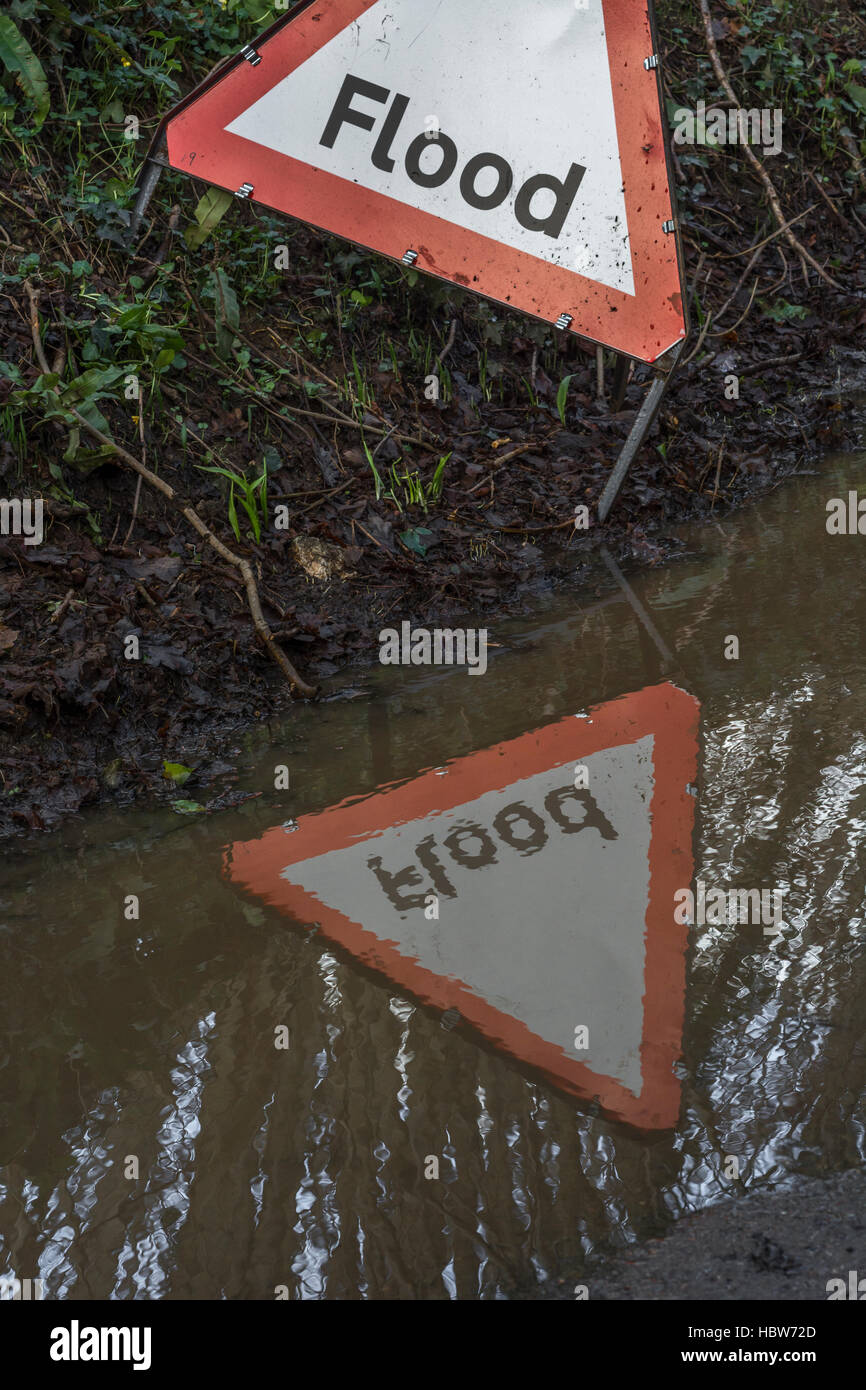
(156, 1143)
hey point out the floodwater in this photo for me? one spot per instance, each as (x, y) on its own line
(290, 1078)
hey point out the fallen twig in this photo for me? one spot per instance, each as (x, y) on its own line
(770, 362)
(138, 483)
(719, 469)
(336, 415)
(830, 203)
(500, 464)
(397, 559)
(720, 332)
(851, 146)
(753, 159)
(699, 344)
(61, 608)
(733, 255)
(452, 333)
(739, 285)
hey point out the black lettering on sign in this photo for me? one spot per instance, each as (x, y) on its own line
(510, 816)
(503, 185)
(594, 815)
(564, 190)
(428, 861)
(446, 168)
(391, 882)
(381, 155)
(343, 114)
(454, 845)
(470, 846)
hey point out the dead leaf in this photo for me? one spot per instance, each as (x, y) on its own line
(8, 638)
(163, 568)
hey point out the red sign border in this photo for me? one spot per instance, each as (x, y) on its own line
(198, 144)
(665, 711)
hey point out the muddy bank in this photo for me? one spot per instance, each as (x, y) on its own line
(80, 724)
(775, 1246)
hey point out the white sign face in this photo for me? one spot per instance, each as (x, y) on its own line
(498, 118)
(549, 928)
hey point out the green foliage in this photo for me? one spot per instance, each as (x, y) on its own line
(228, 317)
(18, 58)
(126, 345)
(176, 773)
(415, 540)
(408, 488)
(253, 495)
(61, 490)
(783, 312)
(434, 490)
(561, 396)
(787, 61)
(380, 487)
(210, 210)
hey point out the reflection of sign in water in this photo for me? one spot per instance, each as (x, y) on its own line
(555, 899)
(515, 150)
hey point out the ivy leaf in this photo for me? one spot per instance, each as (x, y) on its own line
(413, 541)
(91, 384)
(113, 111)
(752, 54)
(857, 94)
(783, 312)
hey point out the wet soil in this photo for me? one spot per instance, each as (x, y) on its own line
(775, 1246)
(79, 724)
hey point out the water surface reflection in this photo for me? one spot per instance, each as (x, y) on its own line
(156, 1143)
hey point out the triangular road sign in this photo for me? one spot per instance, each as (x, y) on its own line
(518, 150)
(553, 887)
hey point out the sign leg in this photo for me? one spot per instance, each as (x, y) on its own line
(150, 175)
(620, 382)
(638, 433)
(631, 598)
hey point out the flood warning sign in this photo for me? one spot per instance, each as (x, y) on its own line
(517, 150)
